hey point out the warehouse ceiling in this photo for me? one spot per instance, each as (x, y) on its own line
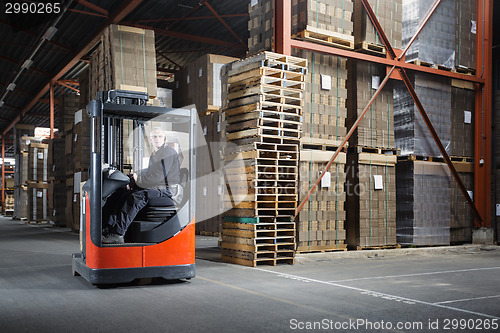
(184, 29)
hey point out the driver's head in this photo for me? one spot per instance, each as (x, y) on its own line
(157, 138)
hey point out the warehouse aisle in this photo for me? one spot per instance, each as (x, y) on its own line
(40, 294)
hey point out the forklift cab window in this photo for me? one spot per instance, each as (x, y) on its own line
(153, 159)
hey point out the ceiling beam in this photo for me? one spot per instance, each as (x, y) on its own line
(93, 7)
(86, 13)
(18, 63)
(119, 15)
(205, 2)
(194, 38)
(194, 18)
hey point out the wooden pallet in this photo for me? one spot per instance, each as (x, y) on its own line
(263, 106)
(421, 63)
(255, 263)
(464, 70)
(326, 37)
(264, 75)
(370, 48)
(321, 248)
(283, 119)
(381, 247)
(270, 60)
(462, 159)
(375, 150)
(421, 158)
(269, 132)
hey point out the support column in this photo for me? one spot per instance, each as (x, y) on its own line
(283, 26)
(483, 117)
(51, 109)
(3, 172)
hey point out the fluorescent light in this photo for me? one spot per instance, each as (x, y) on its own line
(1, 103)
(50, 33)
(11, 86)
(27, 64)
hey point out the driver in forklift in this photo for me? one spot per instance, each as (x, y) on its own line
(157, 181)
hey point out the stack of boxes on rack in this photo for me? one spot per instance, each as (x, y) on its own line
(21, 169)
(389, 14)
(265, 98)
(371, 172)
(320, 223)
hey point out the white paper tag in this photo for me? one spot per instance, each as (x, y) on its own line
(28, 142)
(473, 27)
(326, 181)
(498, 210)
(74, 197)
(218, 127)
(78, 116)
(200, 72)
(219, 189)
(187, 79)
(467, 117)
(375, 82)
(39, 194)
(204, 130)
(76, 136)
(40, 156)
(471, 194)
(254, 2)
(326, 82)
(204, 191)
(379, 182)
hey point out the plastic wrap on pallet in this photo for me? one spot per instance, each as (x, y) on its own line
(390, 16)
(412, 134)
(461, 215)
(465, 34)
(376, 129)
(371, 200)
(436, 42)
(462, 122)
(324, 16)
(324, 112)
(423, 205)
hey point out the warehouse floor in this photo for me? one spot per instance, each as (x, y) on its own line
(352, 291)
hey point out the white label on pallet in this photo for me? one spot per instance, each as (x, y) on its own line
(375, 82)
(326, 82)
(204, 191)
(254, 2)
(40, 156)
(473, 27)
(219, 189)
(467, 117)
(187, 79)
(498, 210)
(78, 116)
(39, 194)
(76, 136)
(471, 194)
(326, 181)
(200, 72)
(379, 182)
(204, 130)
(218, 126)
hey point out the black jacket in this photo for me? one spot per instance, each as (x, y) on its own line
(162, 171)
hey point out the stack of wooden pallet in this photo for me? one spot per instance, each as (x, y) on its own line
(263, 128)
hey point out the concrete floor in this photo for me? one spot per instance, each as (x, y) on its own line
(359, 291)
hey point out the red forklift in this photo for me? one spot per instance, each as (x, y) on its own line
(160, 242)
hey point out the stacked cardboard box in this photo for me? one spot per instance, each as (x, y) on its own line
(371, 200)
(423, 206)
(376, 129)
(210, 180)
(57, 179)
(125, 59)
(323, 21)
(68, 103)
(465, 35)
(462, 122)
(264, 126)
(37, 202)
(261, 26)
(324, 112)
(81, 140)
(436, 42)
(390, 17)
(200, 83)
(320, 223)
(38, 162)
(412, 134)
(462, 217)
